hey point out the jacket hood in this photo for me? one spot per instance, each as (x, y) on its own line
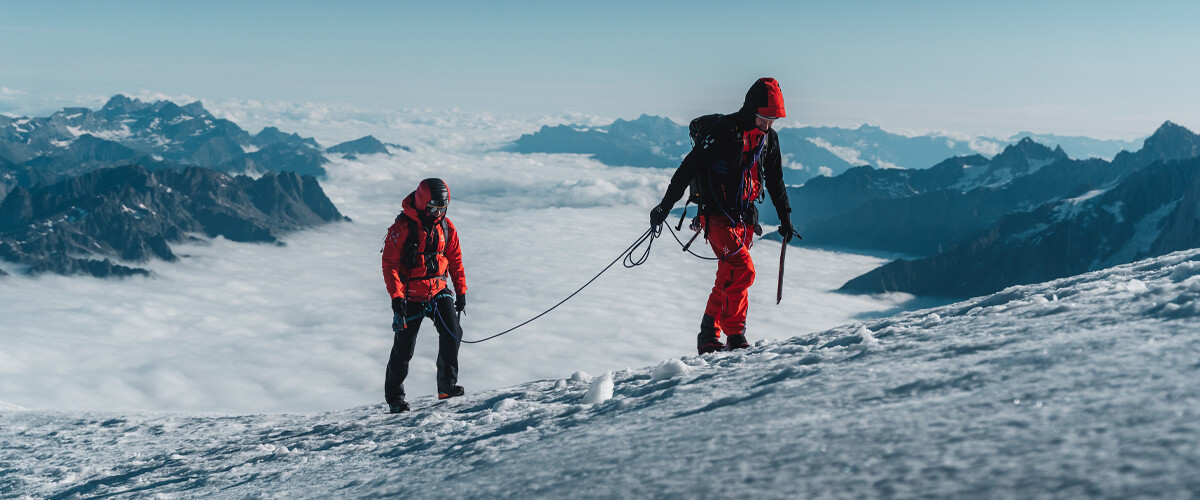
(416, 202)
(764, 98)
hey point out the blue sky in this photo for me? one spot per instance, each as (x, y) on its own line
(1097, 68)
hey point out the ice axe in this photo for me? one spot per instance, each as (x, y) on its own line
(782, 254)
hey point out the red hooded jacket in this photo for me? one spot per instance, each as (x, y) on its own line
(426, 279)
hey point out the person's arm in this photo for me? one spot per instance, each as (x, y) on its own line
(393, 274)
(683, 176)
(453, 255)
(773, 173)
(697, 159)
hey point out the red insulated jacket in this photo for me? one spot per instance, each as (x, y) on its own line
(420, 273)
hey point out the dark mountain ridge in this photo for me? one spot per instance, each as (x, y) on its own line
(367, 145)
(923, 212)
(1091, 215)
(133, 214)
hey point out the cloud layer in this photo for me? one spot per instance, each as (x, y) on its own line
(305, 326)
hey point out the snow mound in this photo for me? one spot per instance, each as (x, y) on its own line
(1082, 387)
(668, 369)
(600, 391)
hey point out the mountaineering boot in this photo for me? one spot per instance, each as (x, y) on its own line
(707, 341)
(398, 406)
(738, 341)
(454, 392)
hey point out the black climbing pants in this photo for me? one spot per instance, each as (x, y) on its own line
(440, 309)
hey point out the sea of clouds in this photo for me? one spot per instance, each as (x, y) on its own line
(305, 326)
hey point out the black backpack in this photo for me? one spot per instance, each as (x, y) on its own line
(698, 131)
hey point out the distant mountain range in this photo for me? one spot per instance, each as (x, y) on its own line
(1080, 147)
(157, 135)
(82, 187)
(1028, 215)
(922, 211)
(134, 214)
(651, 141)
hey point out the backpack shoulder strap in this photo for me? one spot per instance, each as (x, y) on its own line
(413, 231)
(411, 244)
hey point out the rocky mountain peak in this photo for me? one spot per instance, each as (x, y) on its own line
(361, 146)
(1027, 150)
(646, 123)
(194, 108)
(272, 135)
(118, 103)
(1172, 142)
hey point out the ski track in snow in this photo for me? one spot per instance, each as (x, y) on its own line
(1082, 387)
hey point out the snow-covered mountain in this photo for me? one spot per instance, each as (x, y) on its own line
(159, 134)
(651, 141)
(1154, 211)
(1064, 218)
(1079, 147)
(1081, 387)
(924, 211)
(871, 145)
(83, 187)
(810, 152)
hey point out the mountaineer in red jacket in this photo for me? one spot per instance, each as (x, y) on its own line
(733, 159)
(420, 254)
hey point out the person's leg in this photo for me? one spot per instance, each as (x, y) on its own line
(727, 243)
(740, 275)
(449, 340)
(403, 346)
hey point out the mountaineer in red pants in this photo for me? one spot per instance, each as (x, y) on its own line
(734, 157)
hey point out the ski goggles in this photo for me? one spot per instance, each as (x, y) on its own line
(766, 117)
(436, 209)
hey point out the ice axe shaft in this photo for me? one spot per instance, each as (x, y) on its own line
(779, 288)
(782, 253)
(693, 240)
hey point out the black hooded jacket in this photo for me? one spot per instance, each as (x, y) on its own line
(716, 162)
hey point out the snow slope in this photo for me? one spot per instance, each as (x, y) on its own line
(1082, 387)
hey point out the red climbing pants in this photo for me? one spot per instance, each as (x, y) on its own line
(727, 303)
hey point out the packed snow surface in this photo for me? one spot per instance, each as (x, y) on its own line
(1083, 387)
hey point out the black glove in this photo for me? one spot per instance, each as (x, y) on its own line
(460, 302)
(658, 215)
(787, 230)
